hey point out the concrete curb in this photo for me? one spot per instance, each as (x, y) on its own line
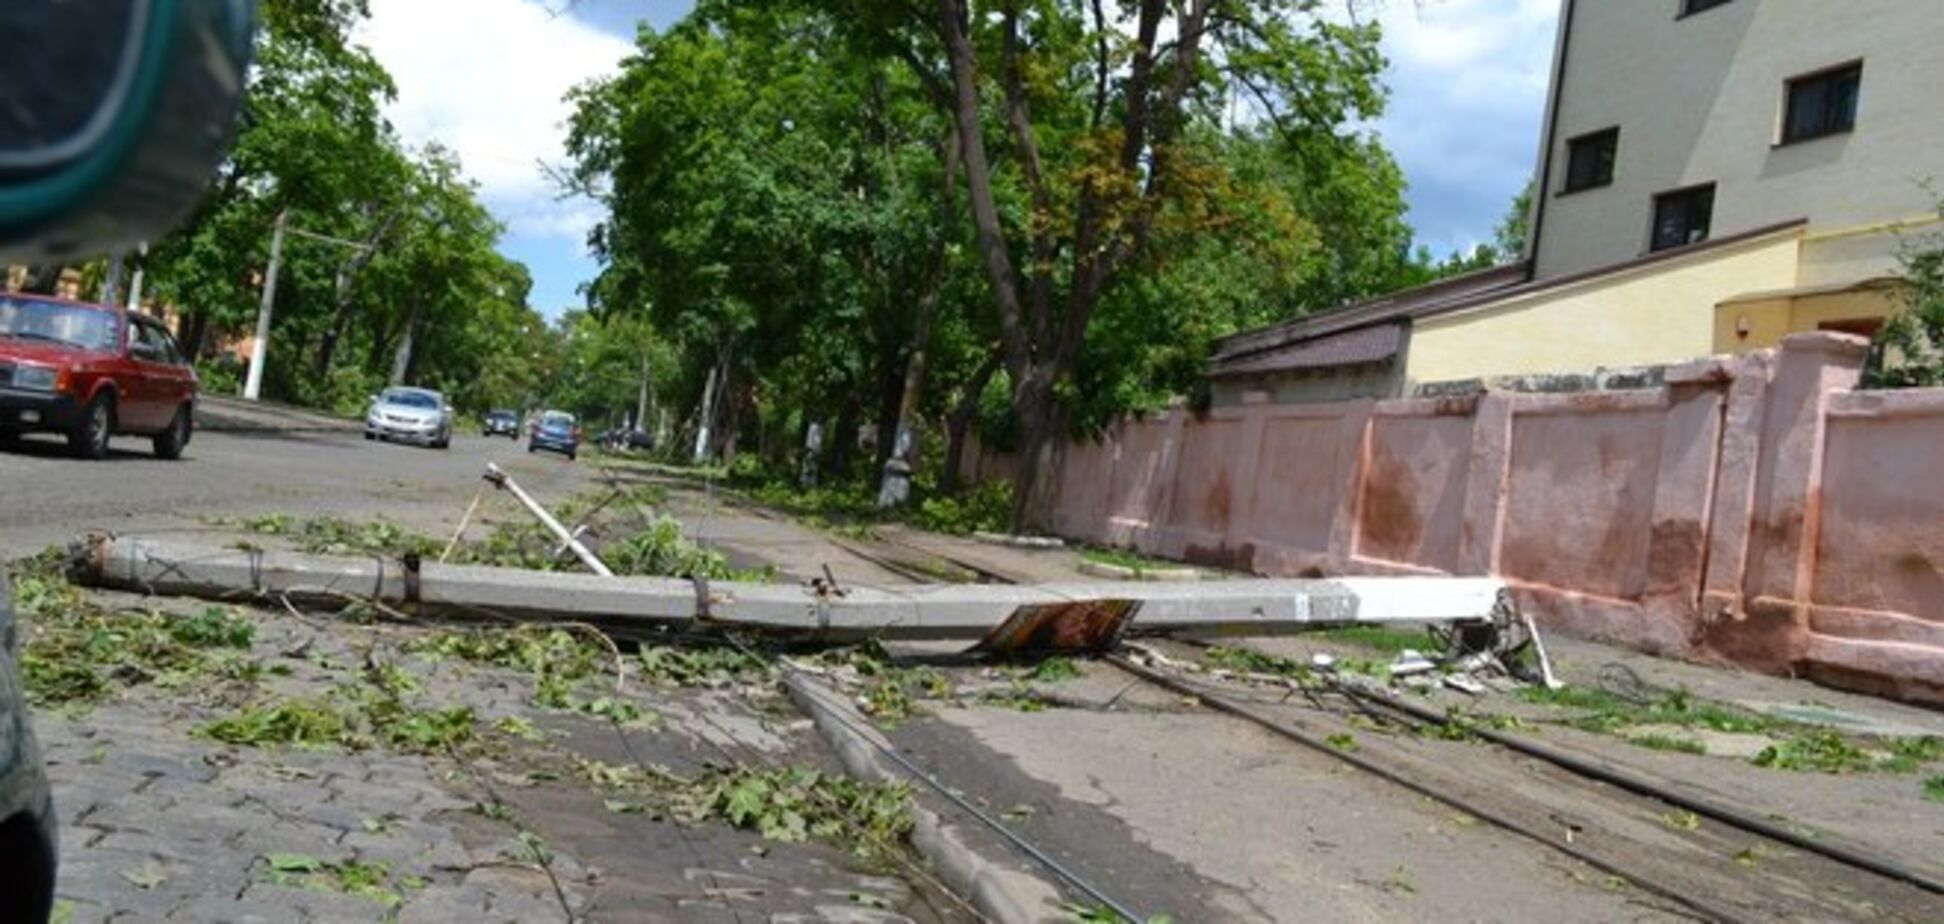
(1020, 542)
(1003, 895)
(1101, 569)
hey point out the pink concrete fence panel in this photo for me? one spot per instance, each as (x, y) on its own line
(1753, 510)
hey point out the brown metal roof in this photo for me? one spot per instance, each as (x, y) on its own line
(1395, 306)
(1378, 343)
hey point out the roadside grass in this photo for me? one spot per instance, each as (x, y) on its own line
(851, 509)
(1934, 788)
(1796, 747)
(1133, 561)
(1380, 638)
(1657, 742)
(1251, 661)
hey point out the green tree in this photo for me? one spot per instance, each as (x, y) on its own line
(425, 297)
(1909, 351)
(1101, 107)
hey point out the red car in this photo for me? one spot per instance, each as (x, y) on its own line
(89, 372)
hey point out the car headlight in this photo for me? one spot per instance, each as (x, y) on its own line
(36, 378)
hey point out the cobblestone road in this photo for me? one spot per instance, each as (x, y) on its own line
(161, 824)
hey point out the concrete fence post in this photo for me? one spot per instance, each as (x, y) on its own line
(1163, 487)
(1352, 467)
(1769, 631)
(1485, 486)
(1684, 490)
(1246, 469)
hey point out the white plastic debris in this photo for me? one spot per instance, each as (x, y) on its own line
(1411, 661)
(1323, 661)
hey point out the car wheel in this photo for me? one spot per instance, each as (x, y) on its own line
(89, 438)
(572, 455)
(370, 436)
(170, 443)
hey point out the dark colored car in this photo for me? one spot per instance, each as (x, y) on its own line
(556, 431)
(503, 423)
(89, 372)
(625, 439)
(27, 827)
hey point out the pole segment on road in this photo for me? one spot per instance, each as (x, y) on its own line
(254, 385)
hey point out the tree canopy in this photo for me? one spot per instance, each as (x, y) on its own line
(427, 300)
(829, 208)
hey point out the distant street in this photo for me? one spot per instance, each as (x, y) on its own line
(47, 497)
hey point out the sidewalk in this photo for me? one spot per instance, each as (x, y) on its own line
(225, 414)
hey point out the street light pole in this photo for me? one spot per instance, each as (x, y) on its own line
(253, 386)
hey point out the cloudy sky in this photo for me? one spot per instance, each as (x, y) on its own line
(486, 77)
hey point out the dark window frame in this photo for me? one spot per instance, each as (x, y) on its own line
(1697, 7)
(1584, 143)
(1656, 243)
(1835, 120)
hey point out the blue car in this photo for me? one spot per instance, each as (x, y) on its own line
(27, 829)
(556, 431)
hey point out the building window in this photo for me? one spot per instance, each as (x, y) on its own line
(1822, 104)
(1682, 217)
(1589, 160)
(1691, 7)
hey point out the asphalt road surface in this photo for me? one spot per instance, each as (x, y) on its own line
(47, 497)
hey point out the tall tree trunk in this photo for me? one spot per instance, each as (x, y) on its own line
(959, 423)
(402, 361)
(195, 334)
(1042, 441)
(902, 458)
(341, 317)
(841, 442)
(42, 278)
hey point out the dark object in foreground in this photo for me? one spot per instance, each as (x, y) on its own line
(89, 372)
(113, 116)
(27, 827)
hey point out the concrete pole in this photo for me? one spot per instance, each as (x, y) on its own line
(135, 283)
(111, 281)
(708, 416)
(402, 360)
(253, 386)
(641, 402)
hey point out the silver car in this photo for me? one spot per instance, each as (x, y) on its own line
(411, 415)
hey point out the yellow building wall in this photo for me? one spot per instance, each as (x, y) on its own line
(1769, 320)
(1663, 312)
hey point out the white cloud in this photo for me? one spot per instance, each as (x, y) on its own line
(487, 78)
(1468, 81)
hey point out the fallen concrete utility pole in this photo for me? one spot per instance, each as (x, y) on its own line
(568, 541)
(1009, 617)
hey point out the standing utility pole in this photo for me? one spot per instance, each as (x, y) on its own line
(641, 403)
(254, 384)
(707, 416)
(135, 284)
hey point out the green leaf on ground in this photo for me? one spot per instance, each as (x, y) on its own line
(293, 863)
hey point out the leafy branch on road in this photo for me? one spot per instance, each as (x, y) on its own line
(78, 653)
